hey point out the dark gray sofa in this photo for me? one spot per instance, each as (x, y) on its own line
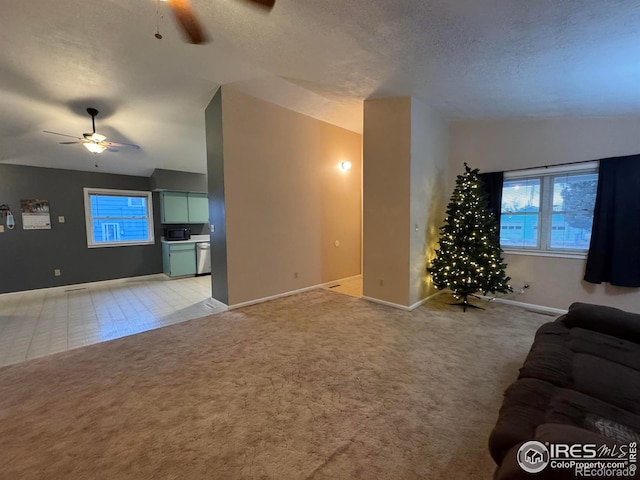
(580, 383)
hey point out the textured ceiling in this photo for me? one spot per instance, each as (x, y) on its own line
(465, 58)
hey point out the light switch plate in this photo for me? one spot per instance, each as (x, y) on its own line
(61, 219)
(1, 228)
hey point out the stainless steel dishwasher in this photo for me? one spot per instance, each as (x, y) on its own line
(203, 258)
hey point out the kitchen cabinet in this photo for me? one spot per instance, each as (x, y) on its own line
(179, 259)
(184, 207)
(174, 207)
(198, 205)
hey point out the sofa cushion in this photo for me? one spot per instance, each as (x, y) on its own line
(608, 320)
(608, 381)
(549, 361)
(580, 340)
(599, 365)
(524, 408)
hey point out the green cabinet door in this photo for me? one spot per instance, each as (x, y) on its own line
(179, 259)
(198, 207)
(174, 207)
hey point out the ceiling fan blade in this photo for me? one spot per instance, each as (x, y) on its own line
(68, 143)
(120, 145)
(62, 134)
(268, 4)
(188, 21)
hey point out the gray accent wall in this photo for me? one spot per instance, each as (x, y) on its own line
(28, 257)
(162, 179)
(217, 208)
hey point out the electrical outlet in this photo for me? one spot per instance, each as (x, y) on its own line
(60, 219)
(57, 272)
(212, 228)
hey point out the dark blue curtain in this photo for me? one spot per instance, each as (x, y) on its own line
(614, 252)
(493, 187)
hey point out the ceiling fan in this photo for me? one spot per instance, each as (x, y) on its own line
(95, 142)
(188, 21)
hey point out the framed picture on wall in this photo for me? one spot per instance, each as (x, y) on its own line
(35, 214)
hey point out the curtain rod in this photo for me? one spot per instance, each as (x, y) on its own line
(550, 166)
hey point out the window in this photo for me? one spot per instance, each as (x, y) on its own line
(118, 217)
(548, 209)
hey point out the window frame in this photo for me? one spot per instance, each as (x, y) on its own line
(547, 176)
(89, 191)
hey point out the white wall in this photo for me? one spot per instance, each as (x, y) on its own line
(429, 152)
(510, 144)
(386, 194)
(404, 188)
(286, 200)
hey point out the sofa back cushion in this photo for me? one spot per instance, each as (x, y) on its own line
(608, 320)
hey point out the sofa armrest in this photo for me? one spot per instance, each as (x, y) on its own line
(607, 320)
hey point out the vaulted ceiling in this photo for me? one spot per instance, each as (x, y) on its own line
(468, 59)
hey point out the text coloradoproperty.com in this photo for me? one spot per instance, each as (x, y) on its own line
(587, 464)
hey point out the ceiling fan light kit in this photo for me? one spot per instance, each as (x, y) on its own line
(93, 141)
(94, 147)
(94, 137)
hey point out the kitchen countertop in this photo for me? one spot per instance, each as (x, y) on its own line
(193, 239)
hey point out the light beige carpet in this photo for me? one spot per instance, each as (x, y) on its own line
(314, 386)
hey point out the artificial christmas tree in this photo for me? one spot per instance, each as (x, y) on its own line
(469, 257)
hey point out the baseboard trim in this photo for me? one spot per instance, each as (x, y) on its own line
(527, 306)
(425, 300)
(346, 279)
(77, 286)
(388, 304)
(289, 293)
(406, 308)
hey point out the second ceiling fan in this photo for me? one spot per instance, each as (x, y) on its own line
(93, 141)
(191, 26)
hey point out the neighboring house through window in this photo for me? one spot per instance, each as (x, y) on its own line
(548, 209)
(118, 217)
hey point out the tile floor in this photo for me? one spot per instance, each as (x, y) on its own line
(42, 322)
(351, 286)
